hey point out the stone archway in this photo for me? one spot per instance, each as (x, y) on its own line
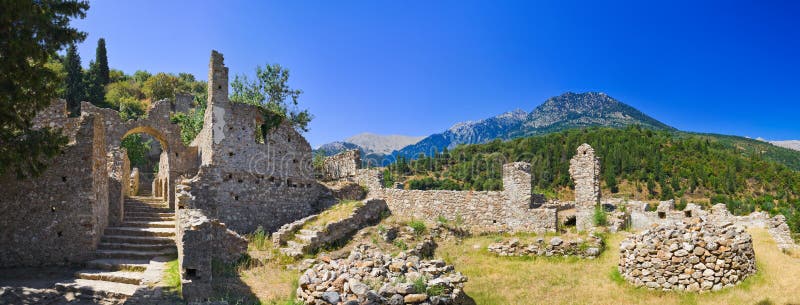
(182, 160)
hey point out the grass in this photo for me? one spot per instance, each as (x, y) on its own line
(512, 280)
(172, 277)
(335, 213)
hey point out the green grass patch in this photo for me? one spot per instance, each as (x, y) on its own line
(172, 277)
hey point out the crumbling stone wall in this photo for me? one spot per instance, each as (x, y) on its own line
(692, 256)
(58, 217)
(584, 168)
(342, 165)
(249, 178)
(119, 172)
(589, 247)
(509, 210)
(200, 242)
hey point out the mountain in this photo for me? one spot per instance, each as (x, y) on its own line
(382, 144)
(790, 144)
(370, 144)
(569, 110)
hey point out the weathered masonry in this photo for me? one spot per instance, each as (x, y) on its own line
(584, 168)
(510, 210)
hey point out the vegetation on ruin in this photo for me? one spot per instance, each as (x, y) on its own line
(172, 277)
(636, 163)
(271, 92)
(335, 213)
(33, 32)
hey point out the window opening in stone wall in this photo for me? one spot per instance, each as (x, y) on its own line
(662, 215)
(261, 133)
(687, 213)
(191, 273)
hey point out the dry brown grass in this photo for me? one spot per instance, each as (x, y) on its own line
(495, 280)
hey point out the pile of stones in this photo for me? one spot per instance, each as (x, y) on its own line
(694, 256)
(368, 276)
(556, 246)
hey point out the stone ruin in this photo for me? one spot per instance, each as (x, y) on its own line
(342, 165)
(697, 255)
(589, 248)
(239, 174)
(368, 276)
(510, 210)
(584, 168)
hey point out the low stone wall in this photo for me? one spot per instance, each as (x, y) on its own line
(342, 165)
(58, 217)
(479, 211)
(589, 248)
(696, 256)
(780, 232)
(346, 190)
(201, 241)
(368, 214)
(368, 276)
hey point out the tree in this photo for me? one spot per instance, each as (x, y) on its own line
(101, 60)
(74, 92)
(32, 32)
(98, 76)
(271, 92)
(160, 86)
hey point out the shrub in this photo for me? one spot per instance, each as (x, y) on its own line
(259, 239)
(418, 226)
(441, 219)
(400, 244)
(600, 217)
(419, 285)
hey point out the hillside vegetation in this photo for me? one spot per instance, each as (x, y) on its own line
(636, 163)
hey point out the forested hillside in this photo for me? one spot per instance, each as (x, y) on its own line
(636, 163)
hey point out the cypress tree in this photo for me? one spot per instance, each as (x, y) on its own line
(75, 89)
(101, 60)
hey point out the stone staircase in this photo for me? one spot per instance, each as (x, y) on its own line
(124, 252)
(300, 244)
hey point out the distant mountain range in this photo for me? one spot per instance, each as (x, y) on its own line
(790, 144)
(370, 144)
(566, 111)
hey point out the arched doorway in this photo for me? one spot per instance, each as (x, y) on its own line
(149, 157)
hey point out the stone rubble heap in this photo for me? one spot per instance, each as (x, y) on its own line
(368, 276)
(589, 248)
(694, 256)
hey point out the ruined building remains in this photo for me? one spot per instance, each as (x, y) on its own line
(342, 165)
(584, 168)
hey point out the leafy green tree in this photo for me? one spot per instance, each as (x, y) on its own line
(270, 90)
(126, 89)
(31, 33)
(140, 76)
(137, 149)
(160, 86)
(75, 89)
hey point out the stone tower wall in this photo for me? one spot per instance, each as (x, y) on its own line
(584, 168)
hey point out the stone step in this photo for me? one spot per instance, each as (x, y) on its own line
(306, 232)
(291, 252)
(138, 265)
(127, 254)
(138, 231)
(149, 218)
(147, 208)
(148, 214)
(304, 238)
(125, 277)
(149, 224)
(100, 289)
(295, 244)
(134, 247)
(127, 239)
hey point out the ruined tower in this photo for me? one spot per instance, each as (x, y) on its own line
(217, 107)
(584, 168)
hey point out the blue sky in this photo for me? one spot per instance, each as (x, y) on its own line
(415, 68)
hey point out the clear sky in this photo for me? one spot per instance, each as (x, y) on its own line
(415, 68)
